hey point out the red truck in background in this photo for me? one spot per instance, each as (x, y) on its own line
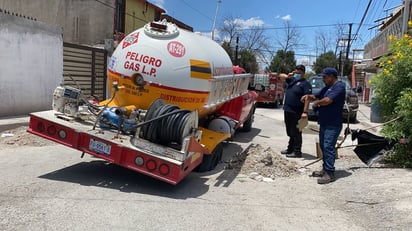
(270, 89)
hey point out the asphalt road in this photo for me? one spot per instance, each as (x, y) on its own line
(52, 188)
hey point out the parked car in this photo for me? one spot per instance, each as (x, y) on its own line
(350, 109)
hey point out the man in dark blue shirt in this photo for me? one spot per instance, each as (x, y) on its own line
(329, 102)
(297, 87)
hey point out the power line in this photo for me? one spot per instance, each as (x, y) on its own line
(376, 10)
(114, 8)
(363, 18)
(282, 28)
(356, 11)
(198, 11)
(103, 3)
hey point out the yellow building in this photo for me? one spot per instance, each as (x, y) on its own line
(133, 14)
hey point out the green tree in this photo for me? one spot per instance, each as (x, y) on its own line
(393, 93)
(345, 65)
(229, 50)
(327, 59)
(283, 62)
(247, 58)
(248, 61)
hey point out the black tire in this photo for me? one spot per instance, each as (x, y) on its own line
(210, 161)
(353, 118)
(247, 125)
(280, 101)
(276, 103)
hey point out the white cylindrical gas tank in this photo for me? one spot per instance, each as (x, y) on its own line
(163, 61)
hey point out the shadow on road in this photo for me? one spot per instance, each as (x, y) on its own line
(341, 174)
(99, 173)
(245, 137)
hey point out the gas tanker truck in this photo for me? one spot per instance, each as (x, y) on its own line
(175, 98)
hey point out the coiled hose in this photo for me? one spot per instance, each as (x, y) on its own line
(168, 129)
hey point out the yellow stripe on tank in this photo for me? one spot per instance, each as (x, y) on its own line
(200, 69)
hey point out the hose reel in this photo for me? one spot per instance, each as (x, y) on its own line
(168, 130)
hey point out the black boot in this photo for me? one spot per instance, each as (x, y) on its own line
(294, 154)
(286, 151)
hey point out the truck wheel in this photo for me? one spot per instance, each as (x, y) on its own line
(280, 100)
(352, 118)
(210, 161)
(275, 104)
(247, 125)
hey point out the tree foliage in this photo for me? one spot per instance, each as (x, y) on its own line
(248, 61)
(393, 93)
(246, 58)
(226, 46)
(327, 59)
(283, 62)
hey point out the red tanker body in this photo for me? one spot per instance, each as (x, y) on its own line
(175, 97)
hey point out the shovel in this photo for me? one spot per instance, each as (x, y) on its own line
(303, 121)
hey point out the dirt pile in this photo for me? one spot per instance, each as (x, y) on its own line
(259, 162)
(20, 137)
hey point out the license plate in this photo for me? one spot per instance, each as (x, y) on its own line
(99, 147)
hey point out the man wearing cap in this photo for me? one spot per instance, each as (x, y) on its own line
(329, 102)
(297, 87)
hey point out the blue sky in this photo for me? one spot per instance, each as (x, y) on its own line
(309, 16)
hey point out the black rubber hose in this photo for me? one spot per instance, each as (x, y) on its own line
(165, 125)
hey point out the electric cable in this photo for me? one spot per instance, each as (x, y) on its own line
(100, 113)
(125, 13)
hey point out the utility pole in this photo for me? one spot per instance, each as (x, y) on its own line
(236, 50)
(341, 63)
(349, 41)
(214, 21)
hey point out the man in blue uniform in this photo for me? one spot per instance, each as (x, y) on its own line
(329, 102)
(297, 87)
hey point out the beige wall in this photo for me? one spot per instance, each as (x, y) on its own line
(83, 21)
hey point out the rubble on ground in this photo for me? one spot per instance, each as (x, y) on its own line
(262, 164)
(20, 137)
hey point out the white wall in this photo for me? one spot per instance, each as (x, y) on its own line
(31, 64)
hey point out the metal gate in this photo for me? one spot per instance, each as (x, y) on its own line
(85, 67)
